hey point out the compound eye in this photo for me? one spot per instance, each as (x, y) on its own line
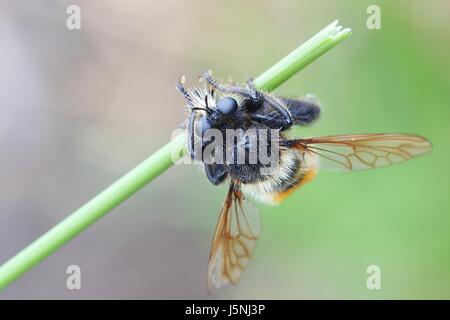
(202, 126)
(227, 105)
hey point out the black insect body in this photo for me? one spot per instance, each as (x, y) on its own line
(244, 108)
(240, 122)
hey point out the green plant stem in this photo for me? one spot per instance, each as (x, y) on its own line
(156, 164)
(301, 57)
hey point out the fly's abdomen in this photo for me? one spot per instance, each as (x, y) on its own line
(293, 171)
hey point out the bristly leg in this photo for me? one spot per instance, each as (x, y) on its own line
(191, 135)
(180, 87)
(282, 109)
(246, 93)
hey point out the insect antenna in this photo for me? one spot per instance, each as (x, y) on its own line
(212, 82)
(207, 104)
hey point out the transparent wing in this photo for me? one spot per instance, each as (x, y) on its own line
(364, 151)
(234, 240)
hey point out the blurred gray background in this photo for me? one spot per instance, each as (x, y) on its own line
(78, 108)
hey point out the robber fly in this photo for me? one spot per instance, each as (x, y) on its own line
(245, 107)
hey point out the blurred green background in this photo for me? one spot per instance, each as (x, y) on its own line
(80, 108)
